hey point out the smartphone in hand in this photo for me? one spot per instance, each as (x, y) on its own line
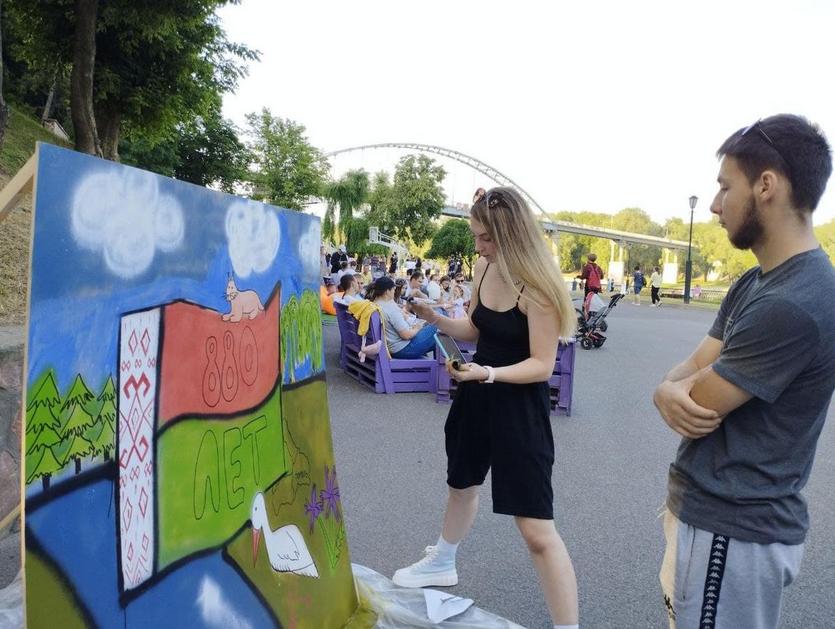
(450, 350)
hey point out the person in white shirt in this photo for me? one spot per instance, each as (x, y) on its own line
(433, 289)
(348, 290)
(655, 286)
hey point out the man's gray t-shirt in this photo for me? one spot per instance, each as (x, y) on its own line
(394, 321)
(778, 332)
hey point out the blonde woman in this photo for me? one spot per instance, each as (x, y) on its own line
(500, 417)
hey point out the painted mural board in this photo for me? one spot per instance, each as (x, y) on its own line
(178, 459)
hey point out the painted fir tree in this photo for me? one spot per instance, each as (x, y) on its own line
(106, 441)
(42, 423)
(76, 448)
(44, 465)
(75, 422)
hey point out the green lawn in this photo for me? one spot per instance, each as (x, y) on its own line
(19, 143)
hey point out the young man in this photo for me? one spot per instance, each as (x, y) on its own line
(413, 289)
(751, 400)
(637, 285)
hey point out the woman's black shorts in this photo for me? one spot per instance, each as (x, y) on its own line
(507, 428)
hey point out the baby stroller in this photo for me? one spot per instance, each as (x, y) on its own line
(590, 323)
(587, 307)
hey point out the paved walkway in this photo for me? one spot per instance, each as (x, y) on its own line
(610, 477)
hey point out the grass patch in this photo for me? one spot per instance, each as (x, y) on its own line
(15, 232)
(19, 143)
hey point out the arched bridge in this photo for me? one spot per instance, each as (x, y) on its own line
(494, 174)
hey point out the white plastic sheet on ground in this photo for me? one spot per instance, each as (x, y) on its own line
(398, 607)
(11, 604)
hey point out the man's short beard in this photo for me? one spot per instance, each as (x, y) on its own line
(750, 232)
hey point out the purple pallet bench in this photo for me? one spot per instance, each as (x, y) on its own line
(381, 373)
(560, 383)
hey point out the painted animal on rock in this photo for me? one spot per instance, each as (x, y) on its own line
(243, 303)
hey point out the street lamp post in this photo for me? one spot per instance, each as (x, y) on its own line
(688, 268)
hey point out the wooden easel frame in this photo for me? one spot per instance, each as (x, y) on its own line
(22, 183)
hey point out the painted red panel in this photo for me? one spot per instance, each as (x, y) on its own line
(215, 367)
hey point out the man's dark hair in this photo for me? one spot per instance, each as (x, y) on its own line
(417, 275)
(637, 268)
(790, 145)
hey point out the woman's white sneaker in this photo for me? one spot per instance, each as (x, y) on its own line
(429, 571)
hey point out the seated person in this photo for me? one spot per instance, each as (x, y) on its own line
(455, 308)
(343, 269)
(446, 289)
(413, 289)
(403, 340)
(349, 289)
(433, 289)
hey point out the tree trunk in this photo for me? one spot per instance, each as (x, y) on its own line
(77, 465)
(81, 82)
(109, 121)
(107, 454)
(4, 110)
(45, 481)
(47, 108)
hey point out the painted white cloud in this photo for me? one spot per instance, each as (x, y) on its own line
(126, 218)
(216, 610)
(308, 245)
(253, 234)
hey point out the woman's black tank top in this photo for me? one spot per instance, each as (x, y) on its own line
(502, 336)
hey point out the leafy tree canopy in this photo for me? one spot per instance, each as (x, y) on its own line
(288, 169)
(157, 62)
(417, 198)
(356, 239)
(348, 193)
(453, 238)
(204, 150)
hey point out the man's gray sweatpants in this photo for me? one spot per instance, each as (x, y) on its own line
(715, 582)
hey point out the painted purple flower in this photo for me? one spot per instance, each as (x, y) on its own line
(313, 508)
(330, 494)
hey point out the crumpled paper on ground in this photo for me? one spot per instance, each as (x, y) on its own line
(398, 607)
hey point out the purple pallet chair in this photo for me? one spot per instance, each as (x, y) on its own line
(381, 373)
(560, 383)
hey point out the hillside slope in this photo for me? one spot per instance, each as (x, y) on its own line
(15, 232)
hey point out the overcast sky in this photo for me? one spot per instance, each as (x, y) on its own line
(588, 106)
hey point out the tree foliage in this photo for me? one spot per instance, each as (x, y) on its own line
(205, 150)
(289, 170)
(417, 198)
(712, 251)
(347, 194)
(148, 65)
(826, 237)
(356, 238)
(453, 239)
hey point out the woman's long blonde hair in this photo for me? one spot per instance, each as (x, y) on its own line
(522, 252)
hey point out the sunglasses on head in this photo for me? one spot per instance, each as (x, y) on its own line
(493, 199)
(758, 127)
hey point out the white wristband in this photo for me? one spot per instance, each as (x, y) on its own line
(491, 374)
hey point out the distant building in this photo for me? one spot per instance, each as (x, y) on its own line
(54, 127)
